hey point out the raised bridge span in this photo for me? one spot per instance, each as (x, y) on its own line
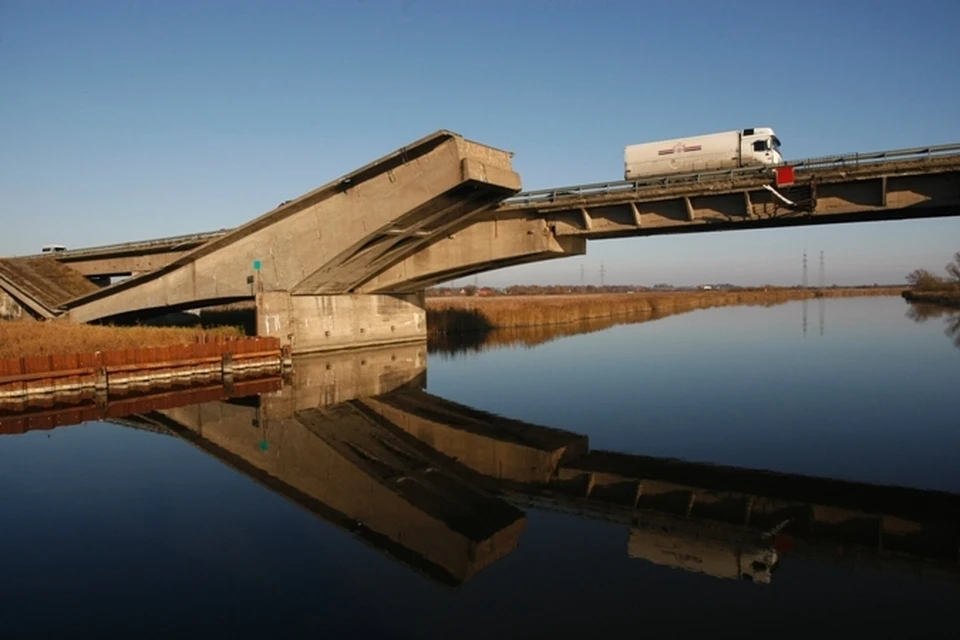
(346, 264)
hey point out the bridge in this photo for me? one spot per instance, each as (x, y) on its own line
(346, 265)
(444, 488)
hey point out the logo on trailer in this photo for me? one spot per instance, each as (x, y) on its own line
(679, 148)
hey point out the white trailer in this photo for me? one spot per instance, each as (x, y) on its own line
(728, 150)
(732, 558)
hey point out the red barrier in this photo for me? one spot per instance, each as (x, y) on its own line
(32, 371)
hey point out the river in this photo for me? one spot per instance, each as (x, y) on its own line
(268, 516)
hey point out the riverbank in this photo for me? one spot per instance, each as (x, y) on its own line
(941, 298)
(20, 338)
(464, 314)
(445, 315)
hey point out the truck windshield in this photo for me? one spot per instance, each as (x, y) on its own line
(775, 142)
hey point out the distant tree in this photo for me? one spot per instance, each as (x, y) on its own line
(923, 279)
(953, 268)
(470, 290)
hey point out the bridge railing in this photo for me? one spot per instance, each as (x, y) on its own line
(857, 159)
(170, 242)
(625, 186)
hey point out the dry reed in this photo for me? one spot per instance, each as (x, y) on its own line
(464, 314)
(30, 338)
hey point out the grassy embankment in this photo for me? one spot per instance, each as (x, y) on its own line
(30, 338)
(457, 315)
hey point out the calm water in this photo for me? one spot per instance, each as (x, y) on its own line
(249, 519)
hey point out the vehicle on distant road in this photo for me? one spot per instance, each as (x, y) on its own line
(712, 152)
(52, 248)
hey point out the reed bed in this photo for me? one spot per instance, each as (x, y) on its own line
(470, 314)
(30, 338)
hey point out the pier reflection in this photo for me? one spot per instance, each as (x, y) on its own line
(444, 488)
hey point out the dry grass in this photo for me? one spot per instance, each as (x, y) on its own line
(30, 338)
(465, 314)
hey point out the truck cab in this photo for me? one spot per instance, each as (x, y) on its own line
(761, 145)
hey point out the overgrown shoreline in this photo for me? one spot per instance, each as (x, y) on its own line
(941, 298)
(445, 316)
(455, 315)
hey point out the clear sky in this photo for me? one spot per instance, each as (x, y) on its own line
(125, 120)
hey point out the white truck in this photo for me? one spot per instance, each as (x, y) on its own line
(732, 558)
(727, 150)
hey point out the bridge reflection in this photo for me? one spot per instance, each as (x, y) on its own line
(445, 488)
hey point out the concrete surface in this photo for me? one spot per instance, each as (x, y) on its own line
(312, 323)
(330, 240)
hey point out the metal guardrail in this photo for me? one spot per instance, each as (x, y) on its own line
(173, 241)
(623, 186)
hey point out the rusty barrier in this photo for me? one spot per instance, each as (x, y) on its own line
(209, 357)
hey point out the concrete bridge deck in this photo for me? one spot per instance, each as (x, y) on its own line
(912, 183)
(346, 264)
(668, 211)
(893, 185)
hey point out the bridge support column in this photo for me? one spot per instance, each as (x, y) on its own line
(314, 323)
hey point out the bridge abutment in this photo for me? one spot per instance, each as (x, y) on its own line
(315, 323)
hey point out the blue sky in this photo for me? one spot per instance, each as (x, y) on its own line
(126, 120)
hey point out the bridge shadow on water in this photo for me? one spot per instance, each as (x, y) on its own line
(445, 489)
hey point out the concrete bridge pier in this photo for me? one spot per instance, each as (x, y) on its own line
(313, 323)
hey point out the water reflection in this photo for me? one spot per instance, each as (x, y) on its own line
(920, 312)
(821, 312)
(528, 337)
(457, 344)
(445, 489)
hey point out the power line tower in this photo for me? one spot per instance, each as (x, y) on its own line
(822, 275)
(603, 273)
(804, 268)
